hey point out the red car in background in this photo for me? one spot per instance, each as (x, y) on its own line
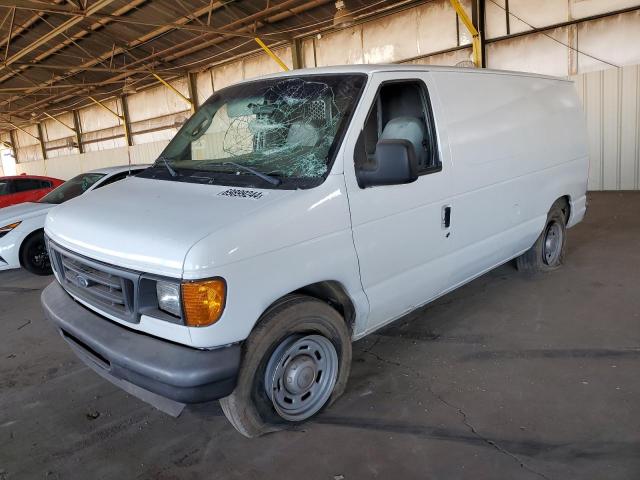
(25, 188)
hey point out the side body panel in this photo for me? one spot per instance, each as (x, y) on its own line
(518, 143)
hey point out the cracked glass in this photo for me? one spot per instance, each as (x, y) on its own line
(267, 132)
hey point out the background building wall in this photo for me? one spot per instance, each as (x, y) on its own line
(600, 54)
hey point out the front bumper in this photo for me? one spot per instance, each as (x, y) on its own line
(172, 371)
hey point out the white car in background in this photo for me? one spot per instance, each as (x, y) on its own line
(22, 226)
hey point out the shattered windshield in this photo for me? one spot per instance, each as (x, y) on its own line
(266, 132)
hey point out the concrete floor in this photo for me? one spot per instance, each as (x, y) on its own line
(509, 377)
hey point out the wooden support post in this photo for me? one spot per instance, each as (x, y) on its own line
(192, 83)
(12, 137)
(297, 54)
(76, 128)
(126, 121)
(43, 148)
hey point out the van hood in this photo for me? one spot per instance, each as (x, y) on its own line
(23, 211)
(149, 225)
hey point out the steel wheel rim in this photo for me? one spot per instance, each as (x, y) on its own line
(552, 246)
(39, 256)
(300, 376)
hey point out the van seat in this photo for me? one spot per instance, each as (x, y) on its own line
(411, 129)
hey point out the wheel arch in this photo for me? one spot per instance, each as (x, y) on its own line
(331, 292)
(24, 242)
(564, 202)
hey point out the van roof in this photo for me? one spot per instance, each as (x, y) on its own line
(404, 67)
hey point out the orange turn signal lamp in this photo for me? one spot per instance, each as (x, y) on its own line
(203, 301)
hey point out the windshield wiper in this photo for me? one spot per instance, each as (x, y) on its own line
(267, 178)
(163, 159)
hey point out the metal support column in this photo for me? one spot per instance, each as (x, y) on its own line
(468, 23)
(273, 56)
(478, 19)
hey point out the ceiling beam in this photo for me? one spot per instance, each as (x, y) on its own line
(118, 50)
(70, 40)
(47, 66)
(280, 11)
(63, 27)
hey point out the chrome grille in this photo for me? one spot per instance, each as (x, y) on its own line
(102, 286)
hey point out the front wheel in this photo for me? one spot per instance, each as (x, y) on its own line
(34, 256)
(295, 362)
(549, 250)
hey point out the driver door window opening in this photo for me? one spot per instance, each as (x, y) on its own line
(401, 111)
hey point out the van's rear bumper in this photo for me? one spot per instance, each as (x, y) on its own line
(173, 371)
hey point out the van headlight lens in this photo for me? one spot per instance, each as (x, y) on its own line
(169, 297)
(203, 301)
(7, 228)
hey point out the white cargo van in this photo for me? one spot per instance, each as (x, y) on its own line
(298, 212)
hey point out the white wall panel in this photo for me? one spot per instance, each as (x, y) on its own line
(308, 53)
(339, 48)
(95, 117)
(463, 33)
(629, 141)
(538, 13)
(158, 101)
(53, 130)
(445, 59)
(72, 165)
(611, 100)
(262, 64)
(65, 167)
(204, 86)
(495, 19)
(587, 8)
(531, 53)
(227, 74)
(391, 38)
(436, 25)
(31, 168)
(615, 39)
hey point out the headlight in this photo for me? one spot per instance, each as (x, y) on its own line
(169, 297)
(203, 301)
(7, 228)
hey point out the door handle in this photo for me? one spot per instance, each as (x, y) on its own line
(446, 216)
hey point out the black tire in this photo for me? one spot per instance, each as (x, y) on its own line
(541, 258)
(34, 256)
(249, 408)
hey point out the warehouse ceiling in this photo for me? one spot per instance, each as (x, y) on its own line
(57, 53)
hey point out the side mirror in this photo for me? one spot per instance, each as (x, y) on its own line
(394, 163)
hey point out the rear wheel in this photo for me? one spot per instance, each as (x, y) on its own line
(549, 250)
(295, 362)
(34, 256)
